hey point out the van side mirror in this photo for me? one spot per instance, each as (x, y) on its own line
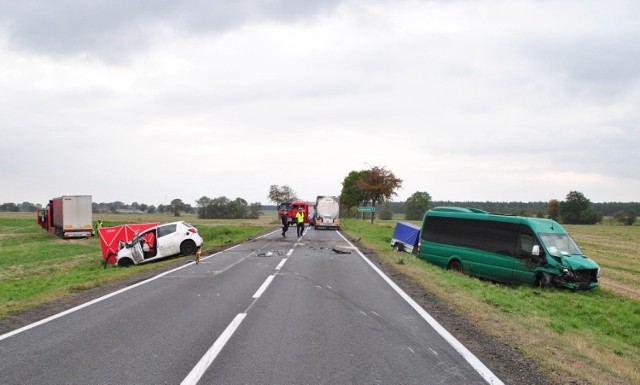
(535, 250)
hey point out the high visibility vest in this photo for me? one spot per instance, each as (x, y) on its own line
(300, 217)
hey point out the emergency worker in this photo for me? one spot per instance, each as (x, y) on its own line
(98, 227)
(300, 222)
(285, 222)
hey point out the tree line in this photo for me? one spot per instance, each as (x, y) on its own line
(608, 209)
(376, 187)
(574, 209)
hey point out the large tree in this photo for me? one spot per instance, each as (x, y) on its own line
(255, 210)
(238, 208)
(553, 210)
(378, 185)
(351, 195)
(177, 206)
(279, 194)
(417, 204)
(576, 209)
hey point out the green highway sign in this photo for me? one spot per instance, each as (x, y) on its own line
(366, 209)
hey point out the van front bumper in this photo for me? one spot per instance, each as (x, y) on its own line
(577, 279)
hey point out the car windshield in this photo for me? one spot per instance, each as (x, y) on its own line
(560, 244)
(136, 239)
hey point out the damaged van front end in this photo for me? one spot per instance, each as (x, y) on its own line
(566, 265)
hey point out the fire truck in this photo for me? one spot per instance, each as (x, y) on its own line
(291, 208)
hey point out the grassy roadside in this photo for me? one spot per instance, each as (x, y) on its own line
(590, 336)
(37, 268)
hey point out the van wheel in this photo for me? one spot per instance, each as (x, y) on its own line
(188, 247)
(543, 280)
(397, 247)
(456, 266)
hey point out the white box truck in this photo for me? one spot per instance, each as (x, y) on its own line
(68, 216)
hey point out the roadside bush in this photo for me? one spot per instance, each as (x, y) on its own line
(624, 218)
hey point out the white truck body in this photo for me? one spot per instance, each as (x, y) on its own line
(77, 215)
(327, 212)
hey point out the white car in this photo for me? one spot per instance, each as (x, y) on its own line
(158, 242)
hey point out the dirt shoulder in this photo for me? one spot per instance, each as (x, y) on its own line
(507, 363)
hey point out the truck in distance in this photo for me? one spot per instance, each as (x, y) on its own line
(292, 208)
(327, 212)
(68, 216)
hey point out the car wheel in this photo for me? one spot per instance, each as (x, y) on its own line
(397, 247)
(125, 262)
(188, 247)
(456, 266)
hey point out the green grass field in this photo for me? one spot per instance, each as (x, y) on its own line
(587, 335)
(36, 267)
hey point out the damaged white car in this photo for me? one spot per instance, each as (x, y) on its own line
(160, 242)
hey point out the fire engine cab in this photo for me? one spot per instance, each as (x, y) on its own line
(291, 208)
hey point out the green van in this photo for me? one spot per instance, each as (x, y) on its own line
(505, 248)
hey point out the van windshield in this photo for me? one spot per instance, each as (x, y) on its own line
(560, 244)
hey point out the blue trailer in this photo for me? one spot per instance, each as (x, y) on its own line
(405, 237)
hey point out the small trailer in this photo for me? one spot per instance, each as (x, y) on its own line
(405, 237)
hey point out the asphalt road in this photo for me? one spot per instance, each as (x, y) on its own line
(272, 310)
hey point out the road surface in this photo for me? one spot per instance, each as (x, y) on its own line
(273, 310)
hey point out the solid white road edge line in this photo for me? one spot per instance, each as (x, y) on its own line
(264, 286)
(196, 373)
(477, 365)
(82, 306)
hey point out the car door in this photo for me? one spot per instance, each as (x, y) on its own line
(168, 240)
(137, 253)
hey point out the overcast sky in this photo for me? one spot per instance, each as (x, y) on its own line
(150, 100)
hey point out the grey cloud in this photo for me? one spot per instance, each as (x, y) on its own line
(597, 67)
(110, 29)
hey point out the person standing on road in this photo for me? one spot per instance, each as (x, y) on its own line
(300, 222)
(285, 222)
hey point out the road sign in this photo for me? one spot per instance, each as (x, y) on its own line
(366, 209)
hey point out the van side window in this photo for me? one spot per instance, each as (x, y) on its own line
(526, 244)
(527, 241)
(492, 236)
(452, 231)
(501, 237)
